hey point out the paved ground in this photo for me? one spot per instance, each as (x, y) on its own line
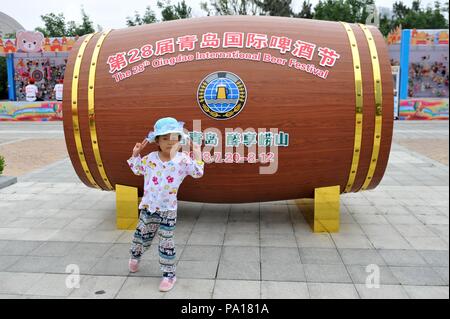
(50, 221)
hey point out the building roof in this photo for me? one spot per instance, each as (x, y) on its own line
(8, 25)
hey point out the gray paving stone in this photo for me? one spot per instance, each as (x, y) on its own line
(284, 290)
(17, 283)
(201, 253)
(363, 274)
(239, 269)
(443, 272)
(140, 288)
(361, 257)
(332, 291)
(241, 239)
(191, 289)
(7, 261)
(33, 264)
(51, 285)
(394, 257)
(205, 238)
(90, 249)
(197, 269)
(237, 289)
(327, 273)
(110, 266)
(287, 255)
(231, 253)
(98, 287)
(323, 256)
(421, 276)
(427, 292)
(382, 292)
(18, 248)
(282, 271)
(435, 257)
(278, 240)
(53, 249)
(427, 243)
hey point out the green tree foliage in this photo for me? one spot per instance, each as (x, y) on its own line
(55, 25)
(174, 12)
(148, 17)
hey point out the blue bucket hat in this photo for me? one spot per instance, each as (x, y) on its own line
(165, 126)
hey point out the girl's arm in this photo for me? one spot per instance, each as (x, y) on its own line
(137, 165)
(195, 167)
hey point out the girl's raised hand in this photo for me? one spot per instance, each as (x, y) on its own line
(139, 147)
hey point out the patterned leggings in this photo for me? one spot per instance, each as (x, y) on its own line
(149, 222)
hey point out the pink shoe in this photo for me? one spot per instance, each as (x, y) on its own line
(167, 283)
(133, 265)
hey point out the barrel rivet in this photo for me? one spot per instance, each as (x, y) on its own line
(370, 177)
(357, 150)
(74, 102)
(93, 63)
(87, 172)
(370, 38)
(359, 122)
(95, 142)
(374, 57)
(105, 179)
(353, 45)
(374, 160)
(357, 66)
(79, 56)
(91, 87)
(353, 172)
(81, 153)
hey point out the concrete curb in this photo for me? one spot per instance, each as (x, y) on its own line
(6, 181)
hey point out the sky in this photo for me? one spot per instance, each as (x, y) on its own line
(112, 13)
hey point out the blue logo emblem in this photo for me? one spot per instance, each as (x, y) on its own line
(222, 95)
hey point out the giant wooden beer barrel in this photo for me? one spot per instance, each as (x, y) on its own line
(318, 93)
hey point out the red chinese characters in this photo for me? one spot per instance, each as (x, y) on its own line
(117, 62)
(328, 56)
(187, 42)
(256, 40)
(165, 46)
(210, 40)
(233, 40)
(281, 43)
(303, 49)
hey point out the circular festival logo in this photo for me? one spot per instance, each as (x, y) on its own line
(222, 95)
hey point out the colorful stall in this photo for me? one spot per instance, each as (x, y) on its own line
(422, 59)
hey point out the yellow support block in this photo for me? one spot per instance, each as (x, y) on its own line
(127, 213)
(323, 212)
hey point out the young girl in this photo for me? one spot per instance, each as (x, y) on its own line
(163, 171)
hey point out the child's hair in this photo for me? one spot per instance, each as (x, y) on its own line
(31, 81)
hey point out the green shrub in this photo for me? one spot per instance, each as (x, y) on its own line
(2, 164)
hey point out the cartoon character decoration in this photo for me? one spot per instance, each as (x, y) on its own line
(29, 41)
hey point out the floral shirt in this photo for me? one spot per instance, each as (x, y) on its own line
(162, 179)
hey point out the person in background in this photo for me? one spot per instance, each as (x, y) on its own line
(58, 90)
(31, 91)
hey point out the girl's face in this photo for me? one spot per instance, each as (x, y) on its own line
(169, 142)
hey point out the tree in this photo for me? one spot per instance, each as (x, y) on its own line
(55, 25)
(306, 11)
(149, 17)
(279, 8)
(174, 12)
(231, 7)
